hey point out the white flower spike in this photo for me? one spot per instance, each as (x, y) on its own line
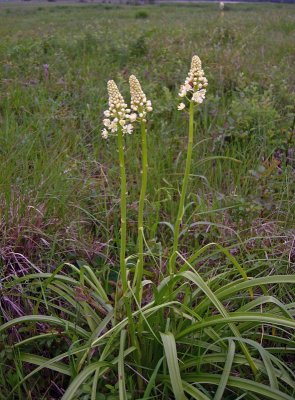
(194, 88)
(140, 106)
(117, 114)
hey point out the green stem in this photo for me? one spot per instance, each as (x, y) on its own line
(183, 190)
(144, 170)
(123, 270)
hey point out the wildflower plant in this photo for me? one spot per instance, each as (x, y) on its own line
(192, 93)
(194, 87)
(195, 337)
(118, 118)
(118, 122)
(140, 106)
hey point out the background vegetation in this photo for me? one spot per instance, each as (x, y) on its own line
(59, 187)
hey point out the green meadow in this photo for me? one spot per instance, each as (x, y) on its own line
(218, 326)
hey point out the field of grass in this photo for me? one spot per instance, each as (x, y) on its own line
(222, 326)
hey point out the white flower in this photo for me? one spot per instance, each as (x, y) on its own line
(188, 87)
(114, 127)
(183, 91)
(128, 129)
(133, 117)
(180, 106)
(117, 112)
(139, 101)
(199, 96)
(107, 122)
(104, 133)
(195, 83)
(221, 5)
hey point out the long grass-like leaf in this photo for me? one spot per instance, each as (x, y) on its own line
(226, 371)
(196, 278)
(39, 360)
(82, 376)
(173, 367)
(45, 319)
(257, 318)
(152, 380)
(264, 392)
(121, 369)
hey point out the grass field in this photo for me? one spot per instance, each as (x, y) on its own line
(60, 203)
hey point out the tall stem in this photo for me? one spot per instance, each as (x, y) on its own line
(144, 170)
(123, 270)
(184, 189)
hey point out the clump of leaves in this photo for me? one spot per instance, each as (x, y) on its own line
(139, 47)
(141, 15)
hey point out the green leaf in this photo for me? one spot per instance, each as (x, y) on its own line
(173, 367)
(42, 361)
(226, 371)
(82, 376)
(194, 392)
(152, 380)
(46, 319)
(121, 370)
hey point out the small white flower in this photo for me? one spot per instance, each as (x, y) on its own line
(122, 122)
(114, 127)
(128, 129)
(199, 96)
(107, 113)
(195, 83)
(180, 106)
(139, 101)
(132, 117)
(182, 92)
(107, 122)
(104, 134)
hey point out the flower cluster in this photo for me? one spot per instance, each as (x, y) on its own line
(118, 115)
(221, 6)
(140, 106)
(195, 84)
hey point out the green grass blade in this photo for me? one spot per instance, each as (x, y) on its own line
(194, 392)
(121, 369)
(226, 371)
(152, 380)
(82, 376)
(46, 319)
(39, 360)
(173, 367)
(196, 278)
(250, 386)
